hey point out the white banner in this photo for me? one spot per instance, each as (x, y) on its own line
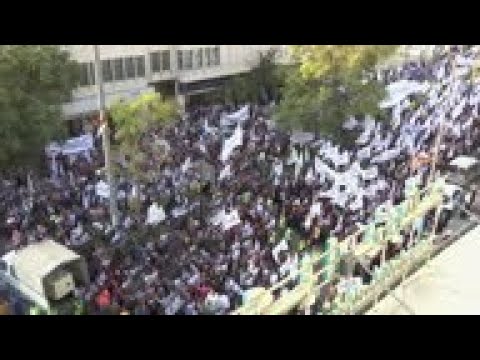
(231, 143)
(73, 146)
(236, 117)
(155, 214)
(102, 189)
(227, 221)
(400, 90)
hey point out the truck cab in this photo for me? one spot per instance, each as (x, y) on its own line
(44, 274)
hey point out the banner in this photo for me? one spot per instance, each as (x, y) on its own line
(231, 143)
(302, 138)
(78, 145)
(227, 221)
(102, 189)
(399, 90)
(73, 146)
(225, 173)
(155, 214)
(236, 117)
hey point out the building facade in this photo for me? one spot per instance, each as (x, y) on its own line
(177, 70)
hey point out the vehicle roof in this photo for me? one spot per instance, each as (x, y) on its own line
(34, 262)
(43, 257)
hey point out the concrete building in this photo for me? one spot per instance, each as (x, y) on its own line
(182, 71)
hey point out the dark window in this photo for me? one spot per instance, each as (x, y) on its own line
(118, 69)
(140, 60)
(92, 77)
(87, 74)
(216, 55)
(3, 265)
(84, 74)
(166, 60)
(107, 70)
(155, 62)
(188, 59)
(208, 57)
(180, 59)
(129, 68)
(199, 56)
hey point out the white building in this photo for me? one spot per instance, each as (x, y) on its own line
(180, 70)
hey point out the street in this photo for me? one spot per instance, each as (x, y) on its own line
(447, 285)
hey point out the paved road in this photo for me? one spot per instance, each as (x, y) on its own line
(448, 285)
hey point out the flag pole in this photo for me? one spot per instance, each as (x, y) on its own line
(106, 138)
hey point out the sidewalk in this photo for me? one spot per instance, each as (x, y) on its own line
(448, 285)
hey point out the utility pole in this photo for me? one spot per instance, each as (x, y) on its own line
(441, 129)
(433, 175)
(106, 138)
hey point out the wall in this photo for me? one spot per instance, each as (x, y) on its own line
(234, 59)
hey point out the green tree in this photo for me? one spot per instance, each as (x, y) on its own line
(259, 84)
(267, 77)
(35, 80)
(132, 120)
(329, 84)
(238, 89)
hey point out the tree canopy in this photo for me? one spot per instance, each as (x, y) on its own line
(132, 120)
(35, 80)
(259, 84)
(329, 84)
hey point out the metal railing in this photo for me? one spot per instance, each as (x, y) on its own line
(307, 290)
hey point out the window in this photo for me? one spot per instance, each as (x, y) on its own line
(155, 62)
(87, 74)
(92, 76)
(107, 70)
(166, 60)
(188, 59)
(180, 59)
(84, 75)
(208, 57)
(3, 264)
(129, 68)
(140, 62)
(199, 58)
(216, 55)
(118, 69)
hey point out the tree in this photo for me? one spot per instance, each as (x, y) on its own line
(329, 84)
(238, 89)
(132, 120)
(267, 77)
(35, 80)
(260, 84)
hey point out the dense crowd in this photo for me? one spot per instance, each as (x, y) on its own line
(212, 220)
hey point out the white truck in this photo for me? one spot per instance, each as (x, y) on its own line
(43, 273)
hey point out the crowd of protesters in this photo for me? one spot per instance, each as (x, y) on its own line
(231, 223)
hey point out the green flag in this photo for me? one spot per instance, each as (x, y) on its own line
(79, 307)
(306, 268)
(331, 256)
(35, 310)
(400, 212)
(369, 235)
